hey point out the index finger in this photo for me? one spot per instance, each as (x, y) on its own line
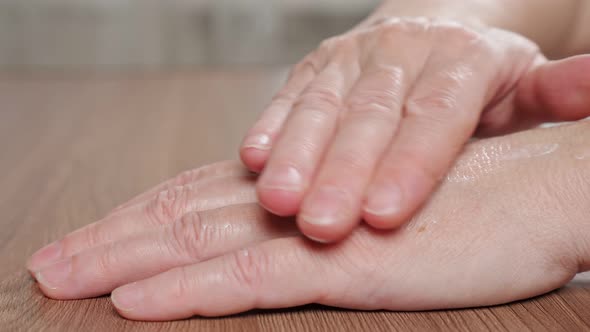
(259, 277)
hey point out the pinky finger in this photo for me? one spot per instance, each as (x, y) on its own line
(256, 146)
(215, 170)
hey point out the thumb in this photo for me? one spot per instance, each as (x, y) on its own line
(556, 91)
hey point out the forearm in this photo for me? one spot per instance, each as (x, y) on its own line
(559, 27)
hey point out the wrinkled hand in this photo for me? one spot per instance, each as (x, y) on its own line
(504, 225)
(368, 124)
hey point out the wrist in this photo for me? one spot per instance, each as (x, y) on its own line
(549, 23)
(474, 13)
(579, 190)
(570, 189)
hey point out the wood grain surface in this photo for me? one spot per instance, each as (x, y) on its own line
(74, 146)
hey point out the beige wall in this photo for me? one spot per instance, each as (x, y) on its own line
(167, 33)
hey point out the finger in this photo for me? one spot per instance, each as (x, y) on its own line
(332, 205)
(275, 274)
(441, 114)
(256, 145)
(551, 91)
(303, 139)
(195, 237)
(220, 169)
(556, 90)
(164, 208)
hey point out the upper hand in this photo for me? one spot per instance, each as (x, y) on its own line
(367, 124)
(508, 222)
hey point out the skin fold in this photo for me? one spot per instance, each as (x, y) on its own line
(367, 124)
(200, 244)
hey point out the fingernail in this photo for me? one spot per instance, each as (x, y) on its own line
(53, 276)
(384, 200)
(318, 240)
(285, 178)
(45, 256)
(127, 297)
(259, 141)
(326, 206)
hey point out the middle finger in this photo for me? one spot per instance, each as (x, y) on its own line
(332, 205)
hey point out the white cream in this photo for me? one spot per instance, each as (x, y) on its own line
(530, 151)
(482, 161)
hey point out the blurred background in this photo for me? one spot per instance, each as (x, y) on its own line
(165, 34)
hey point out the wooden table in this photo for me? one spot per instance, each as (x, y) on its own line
(74, 146)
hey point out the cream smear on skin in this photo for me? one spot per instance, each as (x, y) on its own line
(489, 159)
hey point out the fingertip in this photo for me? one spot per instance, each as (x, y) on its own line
(48, 290)
(382, 222)
(282, 203)
(150, 300)
(384, 206)
(325, 234)
(127, 313)
(45, 256)
(254, 151)
(280, 189)
(128, 300)
(328, 214)
(253, 158)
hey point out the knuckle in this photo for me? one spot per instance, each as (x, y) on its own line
(92, 236)
(389, 33)
(183, 285)
(248, 268)
(387, 21)
(284, 96)
(392, 29)
(456, 32)
(309, 65)
(187, 177)
(464, 40)
(191, 236)
(353, 161)
(420, 166)
(438, 101)
(442, 103)
(328, 44)
(320, 98)
(364, 107)
(345, 44)
(168, 205)
(442, 94)
(106, 260)
(381, 97)
(201, 173)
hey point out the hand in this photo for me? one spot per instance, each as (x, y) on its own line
(368, 124)
(509, 222)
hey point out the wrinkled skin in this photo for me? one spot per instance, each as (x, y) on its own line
(505, 224)
(368, 123)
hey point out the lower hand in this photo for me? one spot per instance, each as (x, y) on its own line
(506, 224)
